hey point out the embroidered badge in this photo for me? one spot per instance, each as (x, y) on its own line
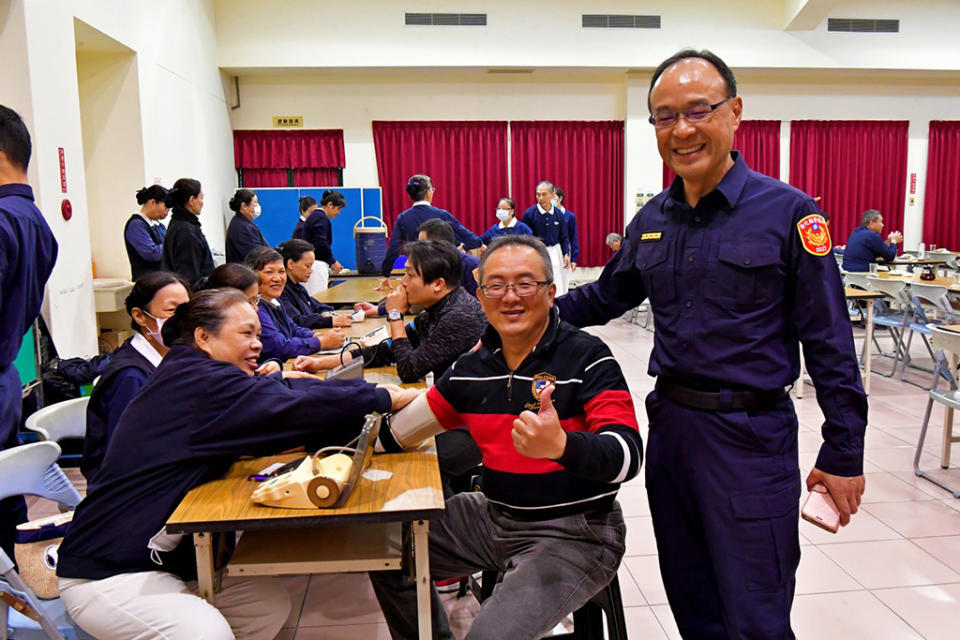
(650, 236)
(540, 382)
(815, 235)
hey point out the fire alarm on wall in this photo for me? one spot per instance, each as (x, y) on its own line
(66, 209)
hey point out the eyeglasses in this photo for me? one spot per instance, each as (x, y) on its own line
(523, 289)
(255, 300)
(699, 113)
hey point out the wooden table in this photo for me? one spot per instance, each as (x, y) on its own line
(866, 297)
(352, 290)
(923, 262)
(950, 283)
(363, 535)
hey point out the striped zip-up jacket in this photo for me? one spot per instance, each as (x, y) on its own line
(593, 403)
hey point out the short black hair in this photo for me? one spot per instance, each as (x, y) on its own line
(232, 275)
(331, 196)
(14, 138)
(259, 257)
(435, 260)
(560, 193)
(514, 240)
(293, 249)
(242, 196)
(439, 230)
(509, 201)
(418, 185)
(154, 192)
(146, 288)
(183, 189)
(306, 202)
(709, 56)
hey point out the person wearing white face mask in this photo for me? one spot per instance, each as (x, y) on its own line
(508, 223)
(154, 298)
(243, 235)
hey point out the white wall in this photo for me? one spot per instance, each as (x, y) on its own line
(184, 125)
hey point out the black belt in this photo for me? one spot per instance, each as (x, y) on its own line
(723, 400)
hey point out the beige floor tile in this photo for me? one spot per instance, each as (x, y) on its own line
(665, 617)
(646, 572)
(630, 593)
(286, 634)
(340, 599)
(918, 519)
(640, 538)
(899, 459)
(643, 623)
(886, 487)
(933, 611)
(633, 500)
(879, 439)
(819, 574)
(345, 632)
(946, 549)
(297, 587)
(863, 526)
(953, 503)
(889, 563)
(852, 615)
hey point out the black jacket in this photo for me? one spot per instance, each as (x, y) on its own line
(185, 249)
(303, 309)
(242, 237)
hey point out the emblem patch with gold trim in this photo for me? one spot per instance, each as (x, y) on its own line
(815, 235)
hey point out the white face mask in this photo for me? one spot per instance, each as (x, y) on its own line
(503, 215)
(158, 334)
(256, 211)
(555, 202)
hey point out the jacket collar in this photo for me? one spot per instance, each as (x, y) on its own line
(729, 188)
(492, 341)
(181, 213)
(16, 189)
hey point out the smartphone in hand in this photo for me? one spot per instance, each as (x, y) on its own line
(821, 510)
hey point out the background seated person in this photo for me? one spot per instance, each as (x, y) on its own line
(282, 338)
(613, 241)
(303, 309)
(552, 414)
(866, 245)
(450, 324)
(153, 299)
(120, 574)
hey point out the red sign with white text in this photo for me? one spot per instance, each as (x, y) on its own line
(63, 172)
(913, 184)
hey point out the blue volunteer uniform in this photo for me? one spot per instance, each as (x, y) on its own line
(406, 230)
(185, 250)
(144, 242)
(318, 231)
(548, 226)
(243, 236)
(28, 252)
(865, 246)
(303, 308)
(497, 230)
(570, 222)
(734, 283)
(283, 339)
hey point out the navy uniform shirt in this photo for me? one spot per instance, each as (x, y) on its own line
(548, 227)
(735, 282)
(865, 246)
(570, 221)
(407, 228)
(319, 232)
(303, 308)
(496, 231)
(28, 252)
(144, 242)
(243, 236)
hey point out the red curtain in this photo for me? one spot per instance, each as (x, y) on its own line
(322, 177)
(854, 165)
(941, 224)
(586, 160)
(465, 159)
(759, 143)
(253, 178)
(310, 148)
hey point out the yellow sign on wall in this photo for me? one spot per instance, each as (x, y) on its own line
(288, 121)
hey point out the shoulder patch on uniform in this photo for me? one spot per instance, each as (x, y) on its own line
(815, 235)
(650, 236)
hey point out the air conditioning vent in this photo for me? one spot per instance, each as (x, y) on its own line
(863, 25)
(611, 21)
(446, 19)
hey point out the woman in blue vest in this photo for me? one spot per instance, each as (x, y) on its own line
(144, 233)
(154, 298)
(303, 309)
(243, 235)
(282, 338)
(508, 223)
(185, 249)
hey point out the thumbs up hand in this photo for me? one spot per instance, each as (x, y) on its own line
(539, 435)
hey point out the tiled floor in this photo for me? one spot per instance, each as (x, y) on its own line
(893, 573)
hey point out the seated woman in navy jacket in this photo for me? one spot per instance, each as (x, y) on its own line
(153, 299)
(282, 338)
(120, 574)
(303, 309)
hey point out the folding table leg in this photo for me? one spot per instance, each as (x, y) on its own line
(421, 552)
(203, 545)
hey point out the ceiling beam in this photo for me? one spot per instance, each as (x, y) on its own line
(806, 15)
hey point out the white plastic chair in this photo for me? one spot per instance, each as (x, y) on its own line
(945, 344)
(67, 419)
(31, 469)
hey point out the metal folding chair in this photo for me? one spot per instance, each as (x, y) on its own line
(893, 313)
(946, 345)
(930, 306)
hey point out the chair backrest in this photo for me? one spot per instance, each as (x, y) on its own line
(932, 294)
(944, 340)
(854, 279)
(896, 289)
(32, 469)
(67, 419)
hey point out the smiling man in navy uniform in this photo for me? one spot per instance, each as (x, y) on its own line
(738, 270)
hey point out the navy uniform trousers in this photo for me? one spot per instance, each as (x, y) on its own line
(724, 489)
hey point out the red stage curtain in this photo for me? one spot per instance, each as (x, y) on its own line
(759, 143)
(310, 148)
(465, 159)
(854, 165)
(941, 224)
(586, 160)
(253, 178)
(322, 177)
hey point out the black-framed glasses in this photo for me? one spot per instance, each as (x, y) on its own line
(698, 113)
(523, 289)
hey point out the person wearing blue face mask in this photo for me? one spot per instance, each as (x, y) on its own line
(243, 236)
(508, 223)
(154, 298)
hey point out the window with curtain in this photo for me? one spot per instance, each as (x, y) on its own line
(759, 143)
(307, 158)
(854, 165)
(941, 200)
(465, 159)
(585, 159)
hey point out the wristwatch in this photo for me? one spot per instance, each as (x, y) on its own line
(393, 314)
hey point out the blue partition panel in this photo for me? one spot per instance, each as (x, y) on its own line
(280, 212)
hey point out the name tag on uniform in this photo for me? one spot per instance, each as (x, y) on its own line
(650, 236)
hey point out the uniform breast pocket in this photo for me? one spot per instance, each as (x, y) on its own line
(657, 272)
(748, 275)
